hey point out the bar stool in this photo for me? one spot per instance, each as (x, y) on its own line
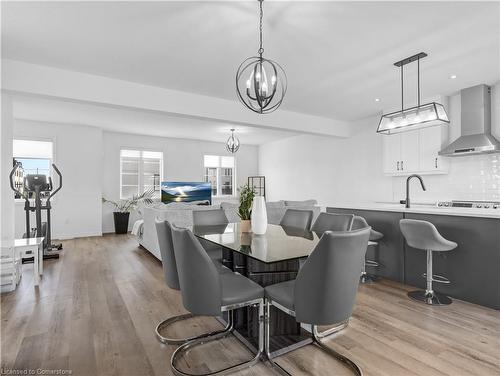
(424, 235)
(359, 223)
(325, 290)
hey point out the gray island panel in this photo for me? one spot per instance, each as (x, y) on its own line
(473, 267)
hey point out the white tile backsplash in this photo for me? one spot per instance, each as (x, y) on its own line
(474, 177)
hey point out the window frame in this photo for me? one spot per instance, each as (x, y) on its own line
(218, 174)
(140, 170)
(52, 160)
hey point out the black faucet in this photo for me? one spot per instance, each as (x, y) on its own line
(407, 202)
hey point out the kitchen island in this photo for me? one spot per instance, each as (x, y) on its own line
(473, 267)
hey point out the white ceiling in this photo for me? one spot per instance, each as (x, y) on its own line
(137, 121)
(338, 55)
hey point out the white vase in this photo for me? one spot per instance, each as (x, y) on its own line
(259, 215)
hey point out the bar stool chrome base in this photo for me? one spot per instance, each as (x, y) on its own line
(431, 298)
(179, 341)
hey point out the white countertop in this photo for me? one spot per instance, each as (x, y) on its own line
(420, 209)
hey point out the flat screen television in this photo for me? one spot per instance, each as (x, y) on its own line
(175, 191)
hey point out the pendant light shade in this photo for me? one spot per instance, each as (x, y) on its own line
(425, 115)
(420, 116)
(261, 83)
(232, 143)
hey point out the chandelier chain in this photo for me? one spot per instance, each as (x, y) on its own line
(261, 50)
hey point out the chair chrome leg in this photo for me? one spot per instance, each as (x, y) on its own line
(366, 278)
(348, 362)
(196, 342)
(178, 341)
(276, 366)
(330, 331)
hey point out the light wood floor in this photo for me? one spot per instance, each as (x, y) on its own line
(97, 306)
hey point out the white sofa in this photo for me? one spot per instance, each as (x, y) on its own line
(181, 214)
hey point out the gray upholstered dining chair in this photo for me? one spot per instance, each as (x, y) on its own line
(375, 236)
(210, 217)
(324, 291)
(164, 232)
(297, 218)
(332, 222)
(206, 292)
(424, 235)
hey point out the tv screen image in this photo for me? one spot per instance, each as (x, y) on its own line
(185, 192)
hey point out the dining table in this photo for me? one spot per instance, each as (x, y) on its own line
(269, 258)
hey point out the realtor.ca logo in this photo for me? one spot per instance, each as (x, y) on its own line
(35, 371)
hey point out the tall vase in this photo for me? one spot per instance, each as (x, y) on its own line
(259, 215)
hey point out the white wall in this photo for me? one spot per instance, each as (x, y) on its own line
(78, 155)
(182, 161)
(6, 202)
(326, 168)
(334, 170)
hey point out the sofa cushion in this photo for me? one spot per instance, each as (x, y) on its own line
(301, 204)
(275, 211)
(275, 204)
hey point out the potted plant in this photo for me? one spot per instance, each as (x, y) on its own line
(245, 210)
(124, 207)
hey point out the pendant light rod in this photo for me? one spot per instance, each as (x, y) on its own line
(402, 91)
(418, 81)
(401, 64)
(261, 50)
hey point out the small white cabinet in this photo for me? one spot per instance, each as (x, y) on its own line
(430, 142)
(414, 152)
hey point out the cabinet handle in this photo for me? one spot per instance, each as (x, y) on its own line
(436, 162)
(397, 164)
(402, 168)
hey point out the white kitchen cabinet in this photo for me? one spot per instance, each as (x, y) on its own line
(414, 152)
(401, 153)
(430, 142)
(410, 151)
(392, 153)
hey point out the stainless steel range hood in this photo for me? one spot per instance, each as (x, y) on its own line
(475, 136)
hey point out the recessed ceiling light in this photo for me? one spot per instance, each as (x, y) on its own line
(453, 76)
(377, 99)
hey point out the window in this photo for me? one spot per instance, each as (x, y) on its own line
(140, 171)
(34, 156)
(220, 172)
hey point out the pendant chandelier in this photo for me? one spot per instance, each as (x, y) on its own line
(232, 143)
(420, 116)
(261, 83)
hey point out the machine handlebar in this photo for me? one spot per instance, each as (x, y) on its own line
(60, 181)
(12, 182)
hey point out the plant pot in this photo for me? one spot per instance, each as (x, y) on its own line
(246, 225)
(121, 222)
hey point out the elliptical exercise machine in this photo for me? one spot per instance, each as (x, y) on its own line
(38, 185)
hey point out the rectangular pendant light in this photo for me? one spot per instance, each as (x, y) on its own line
(420, 116)
(425, 115)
